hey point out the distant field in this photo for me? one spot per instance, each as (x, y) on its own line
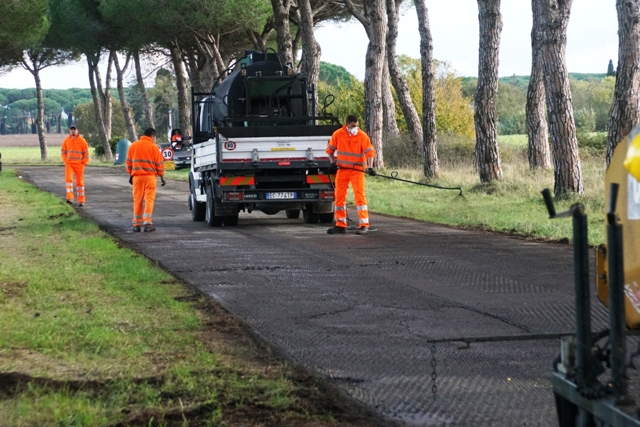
(515, 140)
(31, 140)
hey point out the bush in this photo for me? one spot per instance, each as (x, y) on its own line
(399, 152)
(593, 141)
(98, 150)
(455, 149)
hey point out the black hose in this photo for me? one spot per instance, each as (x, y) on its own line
(394, 176)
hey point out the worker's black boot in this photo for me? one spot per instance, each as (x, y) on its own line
(137, 229)
(337, 230)
(362, 230)
(148, 228)
(69, 202)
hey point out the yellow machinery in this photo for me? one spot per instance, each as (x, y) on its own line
(629, 217)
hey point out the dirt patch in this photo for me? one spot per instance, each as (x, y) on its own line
(31, 140)
(11, 289)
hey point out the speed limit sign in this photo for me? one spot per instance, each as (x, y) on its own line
(167, 153)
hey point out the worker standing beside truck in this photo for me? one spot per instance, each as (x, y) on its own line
(144, 163)
(351, 151)
(75, 155)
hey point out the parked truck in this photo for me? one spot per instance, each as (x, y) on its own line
(259, 145)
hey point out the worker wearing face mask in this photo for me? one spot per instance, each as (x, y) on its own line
(351, 151)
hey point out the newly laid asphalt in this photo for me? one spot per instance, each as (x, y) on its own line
(360, 310)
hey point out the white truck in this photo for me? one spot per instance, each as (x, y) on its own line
(257, 146)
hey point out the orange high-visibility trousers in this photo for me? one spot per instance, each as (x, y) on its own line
(356, 178)
(76, 169)
(144, 196)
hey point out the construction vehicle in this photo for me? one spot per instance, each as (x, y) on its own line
(259, 145)
(591, 381)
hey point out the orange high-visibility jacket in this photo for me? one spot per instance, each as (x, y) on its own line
(144, 158)
(75, 150)
(351, 151)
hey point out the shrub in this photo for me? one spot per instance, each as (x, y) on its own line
(98, 150)
(592, 141)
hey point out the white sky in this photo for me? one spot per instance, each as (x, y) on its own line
(591, 42)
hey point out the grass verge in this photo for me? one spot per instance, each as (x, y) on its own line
(92, 334)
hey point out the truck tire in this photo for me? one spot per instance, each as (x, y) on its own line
(198, 209)
(210, 211)
(230, 220)
(293, 213)
(308, 215)
(326, 218)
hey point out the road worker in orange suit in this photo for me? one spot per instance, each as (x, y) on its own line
(350, 150)
(75, 155)
(144, 164)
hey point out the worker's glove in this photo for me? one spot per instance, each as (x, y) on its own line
(131, 179)
(333, 169)
(163, 181)
(371, 172)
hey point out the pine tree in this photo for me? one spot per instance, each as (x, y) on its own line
(610, 70)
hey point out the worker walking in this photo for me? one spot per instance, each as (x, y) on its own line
(351, 151)
(75, 155)
(144, 163)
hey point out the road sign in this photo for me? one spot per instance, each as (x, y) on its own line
(167, 153)
(169, 165)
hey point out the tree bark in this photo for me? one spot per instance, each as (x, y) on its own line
(390, 122)
(625, 110)
(184, 103)
(147, 107)
(311, 51)
(283, 30)
(126, 108)
(44, 152)
(375, 25)
(94, 79)
(487, 154)
(562, 129)
(537, 132)
(397, 79)
(429, 141)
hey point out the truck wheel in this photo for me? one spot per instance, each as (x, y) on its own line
(309, 216)
(326, 218)
(198, 209)
(210, 211)
(231, 220)
(293, 213)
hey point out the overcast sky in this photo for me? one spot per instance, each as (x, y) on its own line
(592, 42)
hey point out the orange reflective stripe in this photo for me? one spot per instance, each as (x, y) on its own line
(238, 180)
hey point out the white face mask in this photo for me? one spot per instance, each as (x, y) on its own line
(353, 131)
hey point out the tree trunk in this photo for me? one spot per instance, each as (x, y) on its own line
(97, 106)
(397, 79)
(311, 50)
(126, 108)
(44, 154)
(487, 155)
(283, 30)
(537, 132)
(562, 129)
(184, 103)
(625, 110)
(146, 104)
(374, 63)
(429, 141)
(389, 121)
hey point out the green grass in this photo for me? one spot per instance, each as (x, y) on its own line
(512, 205)
(100, 333)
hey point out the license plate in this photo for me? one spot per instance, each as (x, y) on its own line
(283, 195)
